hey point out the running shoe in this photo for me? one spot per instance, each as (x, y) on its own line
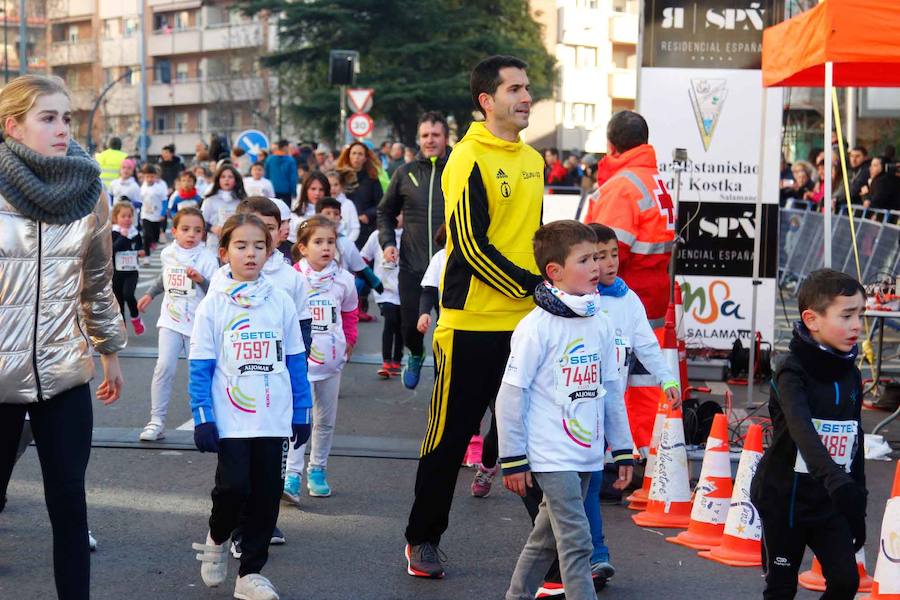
(412, 371)
(254, 586)
(92, 542)
(603, 569)
(145, 262)
(291, 492)
(138, 326)
(152, 432)
(316, 483)
(213, 561)
(551, 589)
(385, 371)
(484, 478)
(425, 560)
(278, 538)
(473, 452)
(365, 317)
(395, 368)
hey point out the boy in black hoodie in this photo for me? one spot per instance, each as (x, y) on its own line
(810, 488)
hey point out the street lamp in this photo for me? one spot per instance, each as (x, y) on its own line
(5, 47)
(90, 123)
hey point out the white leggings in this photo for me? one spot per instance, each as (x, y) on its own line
(171, 344)
(325, 402)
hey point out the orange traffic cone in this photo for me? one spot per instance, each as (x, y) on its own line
(815, 581)
(712, 495)
(669, 504)
(638, 500)
(886, 581)
(740, 546)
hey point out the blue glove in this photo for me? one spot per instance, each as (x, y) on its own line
(301, 434)
(206, 437)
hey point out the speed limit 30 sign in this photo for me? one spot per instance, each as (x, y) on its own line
(360, 125)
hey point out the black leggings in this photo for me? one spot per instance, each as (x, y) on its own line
(62, 433)
(150, 234)
(391, 338)
(124, 284)
(410, 287)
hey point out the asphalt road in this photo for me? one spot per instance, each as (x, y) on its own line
(148, 502)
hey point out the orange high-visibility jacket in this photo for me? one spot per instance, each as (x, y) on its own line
(633, 200)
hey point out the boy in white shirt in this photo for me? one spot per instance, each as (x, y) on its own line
(256, 184)
(561, 397)
(388, 301)
(154, 198)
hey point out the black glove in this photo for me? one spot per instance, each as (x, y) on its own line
(858, 530)
(206, 437)
(850, 501)
(379, 288)
(301, 434)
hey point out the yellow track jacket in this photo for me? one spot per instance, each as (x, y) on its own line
(493, 196)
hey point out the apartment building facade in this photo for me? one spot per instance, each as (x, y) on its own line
(202, 68)
(35, 37)
(595, 44)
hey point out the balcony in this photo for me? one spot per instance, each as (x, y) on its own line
(623, 28)
(229, 37)
(122, 100)
(120, 52)
(622, 84)
(163, 5)
(67, 53)
(235, 89)
(110, 9)
(82, 98)
(67, 9)
(184, 141)
(581, 26)
(186, 41)
(176, 93)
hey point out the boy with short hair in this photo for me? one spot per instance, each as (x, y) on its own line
(348, 256)
(561, 397)
(185, 194)
(810, 485)
(256, 184)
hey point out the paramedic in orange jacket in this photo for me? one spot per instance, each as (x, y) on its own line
(634, 202)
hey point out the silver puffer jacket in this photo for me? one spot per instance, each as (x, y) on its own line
(56, 301)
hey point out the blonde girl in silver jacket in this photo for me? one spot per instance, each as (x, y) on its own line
(56, 305)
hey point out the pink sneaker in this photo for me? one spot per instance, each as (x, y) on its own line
(481, 486)
(473, 452)
(138, 325)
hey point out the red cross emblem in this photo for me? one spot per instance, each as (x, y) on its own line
(664, 200)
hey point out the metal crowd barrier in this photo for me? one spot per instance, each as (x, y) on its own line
(800, 249)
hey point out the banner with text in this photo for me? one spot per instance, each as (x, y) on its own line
(701, 90)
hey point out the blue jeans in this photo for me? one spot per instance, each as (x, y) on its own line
(592, 509)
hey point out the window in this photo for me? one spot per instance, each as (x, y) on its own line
(586, 56)
(131, 26)
(578, 116)
(182, 19)
(73, 34)
(620, 5)
(112, 28)
(161, 121)
(163, 69)
(135, 78)
(162, 22)
(181, 71)
(181, 122)
(107, 76)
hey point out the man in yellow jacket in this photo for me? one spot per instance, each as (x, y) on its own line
(111, 160)
(493, 188)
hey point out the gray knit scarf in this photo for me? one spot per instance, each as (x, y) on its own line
(52, 189)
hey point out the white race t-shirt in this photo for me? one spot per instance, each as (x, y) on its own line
(216, 210)
(182, 296)
(349, 256)
(153, 197)
(388, 272)
(349, 218)
(435, 270)
(128, 188)
(634, 336)
(567, 366)
(280, 275)
(248, 403)
(258, 187)
(328, 353)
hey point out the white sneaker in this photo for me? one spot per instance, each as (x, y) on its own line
(255, 587)
(92, 542)
(213, 561)
(145, 262)
(152, 432)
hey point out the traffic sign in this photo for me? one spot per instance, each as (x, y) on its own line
(253, 142)
(360, 125)
(360, 99)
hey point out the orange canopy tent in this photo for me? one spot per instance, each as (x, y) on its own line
(858, 36)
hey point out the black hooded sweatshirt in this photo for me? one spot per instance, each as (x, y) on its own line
(813, 382)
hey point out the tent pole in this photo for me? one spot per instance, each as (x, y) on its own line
(851, 117)
(757, 233)
(826, 198)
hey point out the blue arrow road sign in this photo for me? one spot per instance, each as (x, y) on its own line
(252, 141)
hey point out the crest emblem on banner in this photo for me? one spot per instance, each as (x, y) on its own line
(707, 99)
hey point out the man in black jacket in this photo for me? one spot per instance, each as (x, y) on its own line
(810, 486)
(415, 189)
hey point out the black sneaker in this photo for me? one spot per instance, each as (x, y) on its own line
(424, 560)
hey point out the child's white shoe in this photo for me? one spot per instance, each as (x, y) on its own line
(255, 587)
(213, 561)
(152, 432)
